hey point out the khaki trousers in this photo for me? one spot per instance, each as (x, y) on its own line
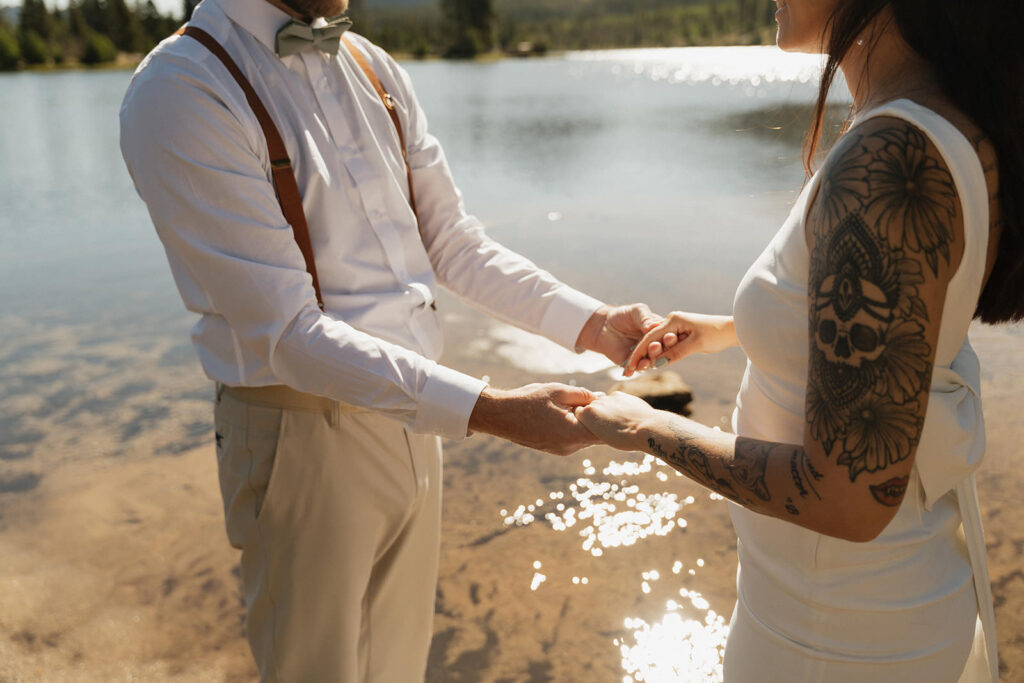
(337, 513)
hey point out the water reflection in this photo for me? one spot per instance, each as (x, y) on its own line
(716, 65)
(686, 644)
(615, 514)
(616, 509)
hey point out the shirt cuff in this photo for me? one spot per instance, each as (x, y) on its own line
(567, 313)
(446, 403)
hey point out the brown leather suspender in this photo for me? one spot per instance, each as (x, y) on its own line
(282, 174)
(389, 104)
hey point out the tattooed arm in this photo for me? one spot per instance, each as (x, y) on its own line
(771, 478)
(885, 235)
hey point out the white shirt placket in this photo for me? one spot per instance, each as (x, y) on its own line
(371, 184)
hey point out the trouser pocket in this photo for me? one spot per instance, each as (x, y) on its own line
(247, 447)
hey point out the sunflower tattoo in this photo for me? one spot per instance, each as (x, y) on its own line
(886, 208)
(915, 194)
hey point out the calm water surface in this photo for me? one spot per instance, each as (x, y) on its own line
(587, 162)
(653, 175)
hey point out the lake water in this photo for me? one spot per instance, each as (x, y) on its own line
(666, 169)
(584, 162)
(654, 175)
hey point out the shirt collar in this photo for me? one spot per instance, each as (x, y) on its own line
(259, 18)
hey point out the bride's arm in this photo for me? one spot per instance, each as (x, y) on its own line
(775, 479)
(885, 235)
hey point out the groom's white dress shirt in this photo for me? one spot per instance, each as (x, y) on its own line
(198, 158)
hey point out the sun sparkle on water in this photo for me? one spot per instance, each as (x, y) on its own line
(682, 646)
(610, 511)
(747, 65)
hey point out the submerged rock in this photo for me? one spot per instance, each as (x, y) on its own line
(664, 390)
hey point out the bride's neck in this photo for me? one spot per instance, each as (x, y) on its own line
(880, 67)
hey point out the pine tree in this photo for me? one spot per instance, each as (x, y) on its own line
(362, 20)
(155, 26)
(471, 25)
(123, 26)
(754, 13)
(95, 15)
(35, 17)
(10, 51)
(77, 24)
(187, 7)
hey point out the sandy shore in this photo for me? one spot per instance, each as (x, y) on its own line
(116, 568)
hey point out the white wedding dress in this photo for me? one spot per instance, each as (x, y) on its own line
(905, 607)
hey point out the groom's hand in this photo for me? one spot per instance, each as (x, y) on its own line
(539, 416)
(614, 331)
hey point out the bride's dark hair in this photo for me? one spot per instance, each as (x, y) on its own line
(975, 50)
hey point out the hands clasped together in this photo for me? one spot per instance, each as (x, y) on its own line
(562, 419)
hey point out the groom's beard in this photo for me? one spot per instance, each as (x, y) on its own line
(311, 9)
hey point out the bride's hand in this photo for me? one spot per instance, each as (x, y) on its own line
(618, 419)
(679, 335)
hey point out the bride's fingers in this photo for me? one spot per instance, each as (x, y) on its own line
(653, 345)
(656, 348)
(682, 348)
(638, 364)
(662, 353)
(640, 351)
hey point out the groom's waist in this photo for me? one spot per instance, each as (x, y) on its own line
(285, 398)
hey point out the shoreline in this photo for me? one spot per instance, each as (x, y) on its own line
(117, 567)
(130, 61)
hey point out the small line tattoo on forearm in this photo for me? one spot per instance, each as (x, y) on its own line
(803, 474)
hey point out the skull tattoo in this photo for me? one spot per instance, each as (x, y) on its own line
(853, 313)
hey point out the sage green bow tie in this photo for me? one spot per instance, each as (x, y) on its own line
(296, 35)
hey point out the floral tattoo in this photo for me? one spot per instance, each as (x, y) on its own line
(886, 209)
(914, 192)
(736, 478)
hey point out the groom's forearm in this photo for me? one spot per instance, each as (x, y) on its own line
(538, 416)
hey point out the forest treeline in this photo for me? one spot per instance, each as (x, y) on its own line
(93, 32)
(464, 28)
(86, 32)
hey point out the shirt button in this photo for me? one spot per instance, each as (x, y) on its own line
(322, 83)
